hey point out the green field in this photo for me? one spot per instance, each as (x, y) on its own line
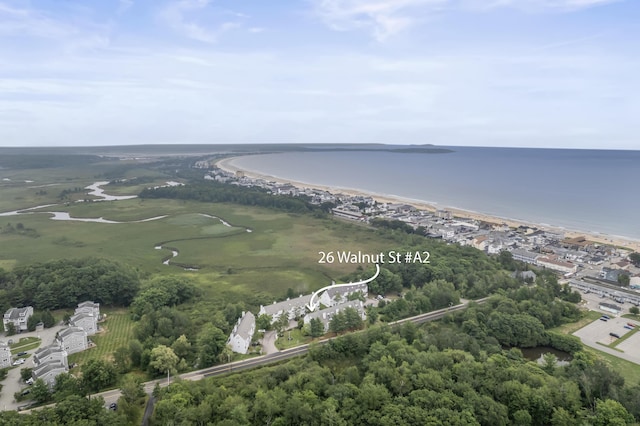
(117, 330)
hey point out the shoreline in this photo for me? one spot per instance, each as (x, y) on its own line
(227, 165)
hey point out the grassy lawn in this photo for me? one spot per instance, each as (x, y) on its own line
(572, 327)
(631, 316)
(292, 338)
(629, 370)
(25, 344)
(117, 331)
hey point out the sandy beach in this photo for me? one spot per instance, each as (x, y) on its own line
(227, 164)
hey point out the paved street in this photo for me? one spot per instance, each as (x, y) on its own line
(12, 383)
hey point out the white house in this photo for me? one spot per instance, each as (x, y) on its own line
(48, 371)
(85, 321)
(5, 355)
(51, 353)
(293, 308)
(325, 315)
(89, 308)
(19, 317)
(240, 338)
(72, 339)
(339, 294)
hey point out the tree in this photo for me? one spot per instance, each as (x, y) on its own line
(40, 391)
(98, 374)
(634, 310)
(263, 322)
(316, 328)
(67, 385)
(121, 359)
(211, 341)
(182, 348)
(47, 319)
(11, 329)
(25, 373)
(352, 319)
(163, 359)
(624, 280)
(635, 258)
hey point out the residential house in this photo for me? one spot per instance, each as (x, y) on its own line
(73, 339)
(90, 308)
(18, 317)
(292, 307)
(325, 315)
(51, 353)
(48, 372)
(242, 333)
(5, 355)
(339, 294)
(85, 321)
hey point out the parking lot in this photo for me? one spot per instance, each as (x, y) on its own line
(597, 334)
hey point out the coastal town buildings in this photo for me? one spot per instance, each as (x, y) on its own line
(292, 308)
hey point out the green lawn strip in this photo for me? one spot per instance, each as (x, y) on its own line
(631, 316)
(627, 369)
(117, 331)
(572, 327)
(611, 347)
(292, 338)
(25, 344)
(623, 338)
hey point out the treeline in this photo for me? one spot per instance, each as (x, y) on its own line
(64, 283)
(434, 375)
(40, 161)
(215, 192)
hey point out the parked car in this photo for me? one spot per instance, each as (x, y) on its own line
(21, 353)
(18, 361)
(113, 406)
(614, 335)
(30, 381)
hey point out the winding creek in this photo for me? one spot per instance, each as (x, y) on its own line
(97, 191)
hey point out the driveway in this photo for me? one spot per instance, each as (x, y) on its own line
(269, 343)
(12, 383)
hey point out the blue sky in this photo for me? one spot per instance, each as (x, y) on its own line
(535, 73)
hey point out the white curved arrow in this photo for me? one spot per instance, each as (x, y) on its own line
(311, 305)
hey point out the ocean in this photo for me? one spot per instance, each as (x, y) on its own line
(583, 190)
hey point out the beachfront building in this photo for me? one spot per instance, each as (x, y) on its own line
(525, 256)
(291, 307)
(325, 315)
(18, 317)
(85, 321)
(242, 333)
(557, 265)
(72, 340)
(5, 355)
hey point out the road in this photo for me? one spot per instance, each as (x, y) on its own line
(113, 395)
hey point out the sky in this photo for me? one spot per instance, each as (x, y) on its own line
(522, 73)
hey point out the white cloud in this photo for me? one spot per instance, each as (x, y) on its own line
(385, 18)
(182, 17)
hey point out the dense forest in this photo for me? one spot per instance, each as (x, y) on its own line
(64, 283)
(215, 192)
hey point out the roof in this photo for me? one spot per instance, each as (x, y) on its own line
(47, 350)
(80, 316)
(48, 367)
(88, 304)
(69, 331)
(324, 314)
(286, 305)
(246, 326)
(361, 287)
(15, 313)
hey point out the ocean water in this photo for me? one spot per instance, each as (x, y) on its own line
(585, 190)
